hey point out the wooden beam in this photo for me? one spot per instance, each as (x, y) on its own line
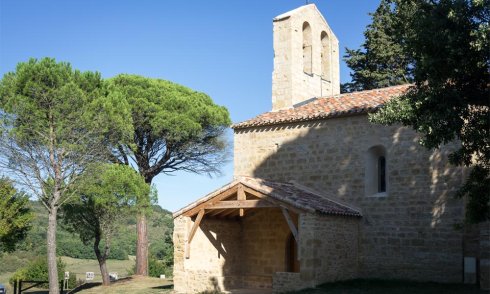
(219, 197)
(241, 197)
(291, 225)
(240, 204)
(197, 222)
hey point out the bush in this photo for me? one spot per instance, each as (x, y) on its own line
(37, 270)
(155, 268)
(72, 281)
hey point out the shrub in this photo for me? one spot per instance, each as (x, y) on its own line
(155, 268)
(37, 270)
(72, 281)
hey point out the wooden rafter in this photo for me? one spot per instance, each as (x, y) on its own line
(291, 225)
(197, 222)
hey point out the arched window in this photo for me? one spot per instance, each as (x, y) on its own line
(326, 56)
(307, 50)
(375, 173)
(381, 174)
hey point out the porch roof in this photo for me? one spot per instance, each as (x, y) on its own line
(288, 195)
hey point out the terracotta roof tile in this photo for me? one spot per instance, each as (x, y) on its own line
(327, 107)
(300, 197)
(292, 194)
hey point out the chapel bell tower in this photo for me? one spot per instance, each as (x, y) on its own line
(306, 58)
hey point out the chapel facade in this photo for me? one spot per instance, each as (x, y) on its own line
(320, 194)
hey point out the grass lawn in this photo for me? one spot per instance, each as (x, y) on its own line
(81, 266)
(391, 287)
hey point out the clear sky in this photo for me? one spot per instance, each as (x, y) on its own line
(222, 48)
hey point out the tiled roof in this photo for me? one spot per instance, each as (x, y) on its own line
(328, 107)
(292, 194)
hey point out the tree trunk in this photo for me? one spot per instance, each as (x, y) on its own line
(51, 242)
(142, 246)
(102, 261)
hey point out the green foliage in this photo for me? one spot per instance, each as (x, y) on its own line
(156, 268)
(14, 260)
(107, 194)
(448, 43)
(164, 251)
(15, 215)
(170, 127)
(69, 244)
(382, 61)
(51, 130)
(37, 270)
(72, 281)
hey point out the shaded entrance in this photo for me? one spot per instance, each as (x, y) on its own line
(247, 236)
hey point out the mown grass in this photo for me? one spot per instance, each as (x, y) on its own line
(391, 287)
(81, 266)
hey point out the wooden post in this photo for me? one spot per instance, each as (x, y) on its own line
(15, 286)
(291, 225)
(241, 196)
(193, 232)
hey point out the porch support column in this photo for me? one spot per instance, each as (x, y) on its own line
(241, 197)
(193, 232)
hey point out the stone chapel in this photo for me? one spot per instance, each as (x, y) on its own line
(320, 194)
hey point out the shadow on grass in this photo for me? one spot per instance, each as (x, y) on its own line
(95, 284)
(361, 286)
(164, 287)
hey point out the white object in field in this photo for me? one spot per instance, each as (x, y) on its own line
(162, 276)
(470, 270)
(67, 275)
(113, 276)
(89, 276)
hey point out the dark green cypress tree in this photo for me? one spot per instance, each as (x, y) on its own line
(381, 61)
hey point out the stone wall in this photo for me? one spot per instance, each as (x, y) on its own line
(328, 248)
(407, 232)
(215, 255)
(286, 282)
(264, 239)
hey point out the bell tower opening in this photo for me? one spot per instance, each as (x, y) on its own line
(307, 49)
(326, 57)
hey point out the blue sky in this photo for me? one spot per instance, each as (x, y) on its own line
(222, 48)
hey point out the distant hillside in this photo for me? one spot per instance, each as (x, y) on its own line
(160, 228)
